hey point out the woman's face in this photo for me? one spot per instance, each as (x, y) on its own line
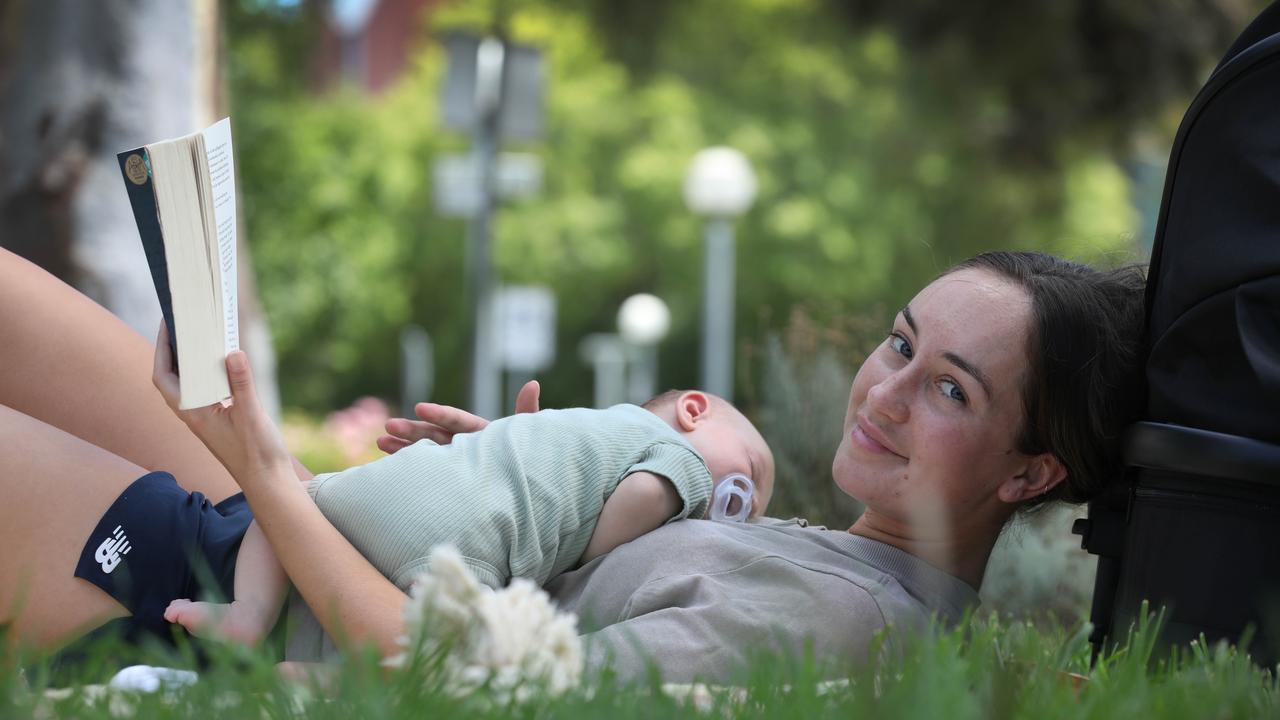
(935, 409)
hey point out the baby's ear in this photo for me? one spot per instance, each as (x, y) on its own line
(692, 408)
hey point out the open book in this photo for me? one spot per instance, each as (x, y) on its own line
(184, 200)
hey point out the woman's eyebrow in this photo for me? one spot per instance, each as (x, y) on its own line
(955, 359)
(971, 369)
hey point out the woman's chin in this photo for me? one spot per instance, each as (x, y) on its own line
(862, 475)
(845, 471)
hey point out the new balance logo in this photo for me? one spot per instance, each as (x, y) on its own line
(111, 550)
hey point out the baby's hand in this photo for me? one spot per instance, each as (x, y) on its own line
(439, 423)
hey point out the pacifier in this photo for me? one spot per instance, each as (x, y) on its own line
(731, 498)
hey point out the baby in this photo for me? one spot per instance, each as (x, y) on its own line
(531, 495)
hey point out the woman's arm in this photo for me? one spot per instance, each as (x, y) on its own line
(354, 603)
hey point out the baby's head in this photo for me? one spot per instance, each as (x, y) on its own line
(725, 438)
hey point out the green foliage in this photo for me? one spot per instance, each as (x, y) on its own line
(1035, 74)
(1038, 570)
(337, 211)
(803, 394)
(986, 668)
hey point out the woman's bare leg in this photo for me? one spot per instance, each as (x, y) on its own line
(55, 487)
(68, 362)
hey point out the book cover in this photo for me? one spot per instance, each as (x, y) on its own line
(136, 169)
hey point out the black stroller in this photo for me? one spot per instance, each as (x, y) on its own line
(1195, 526)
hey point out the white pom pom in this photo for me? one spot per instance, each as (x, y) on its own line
(512, 639)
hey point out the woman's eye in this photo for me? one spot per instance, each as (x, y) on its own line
(953, 391)
(900, 345)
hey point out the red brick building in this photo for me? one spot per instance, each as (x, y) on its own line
(369, 42)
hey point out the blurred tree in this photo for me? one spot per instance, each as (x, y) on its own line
(1091, 69)
(80, 83)
(1057, 70)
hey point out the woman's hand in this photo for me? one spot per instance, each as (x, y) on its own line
(240, 435)
(439, 423)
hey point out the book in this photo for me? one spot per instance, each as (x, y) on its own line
(183, 195)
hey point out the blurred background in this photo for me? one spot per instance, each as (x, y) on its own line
(393, 190)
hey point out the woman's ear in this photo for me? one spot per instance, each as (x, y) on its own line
(1043, 472)
(691, 408)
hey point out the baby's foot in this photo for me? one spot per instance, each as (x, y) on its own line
(196, 617)
(235, 622)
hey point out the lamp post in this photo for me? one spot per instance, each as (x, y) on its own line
(643, 321)
(493, 91)
(719, 186)
(606, 353)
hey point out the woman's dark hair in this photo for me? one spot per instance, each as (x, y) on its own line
(1085, 379)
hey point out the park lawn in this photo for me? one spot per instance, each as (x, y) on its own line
(986, 668)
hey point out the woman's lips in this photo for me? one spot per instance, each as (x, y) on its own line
(861, 438)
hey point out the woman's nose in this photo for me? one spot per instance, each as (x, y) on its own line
(888, 398)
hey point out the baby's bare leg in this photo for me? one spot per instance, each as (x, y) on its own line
(260, 586)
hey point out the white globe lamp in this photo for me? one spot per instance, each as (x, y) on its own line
(644, 319)
(719, 186)
(720, 183)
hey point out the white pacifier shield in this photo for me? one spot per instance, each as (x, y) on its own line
(731, 486)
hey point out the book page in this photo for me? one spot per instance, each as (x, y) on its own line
(184, 207)
(217, 142)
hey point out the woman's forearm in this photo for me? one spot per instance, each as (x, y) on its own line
(354, 603)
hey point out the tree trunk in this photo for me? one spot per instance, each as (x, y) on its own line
(82, 81)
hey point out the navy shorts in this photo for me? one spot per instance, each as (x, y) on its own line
(158, 542)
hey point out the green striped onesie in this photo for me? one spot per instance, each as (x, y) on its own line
(518, 499)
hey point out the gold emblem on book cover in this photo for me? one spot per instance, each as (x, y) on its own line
(135, 169)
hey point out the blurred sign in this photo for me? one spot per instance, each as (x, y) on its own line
(526, 327)
(457, 181)
(520, 94)
(417, 368)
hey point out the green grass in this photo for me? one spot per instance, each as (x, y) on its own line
(985, 669)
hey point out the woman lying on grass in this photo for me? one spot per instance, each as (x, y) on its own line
(1003, 384)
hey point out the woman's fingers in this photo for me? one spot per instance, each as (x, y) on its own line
(239, 434)
(162, 373)
(255, 438)
(244, 401)
(240, 377)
